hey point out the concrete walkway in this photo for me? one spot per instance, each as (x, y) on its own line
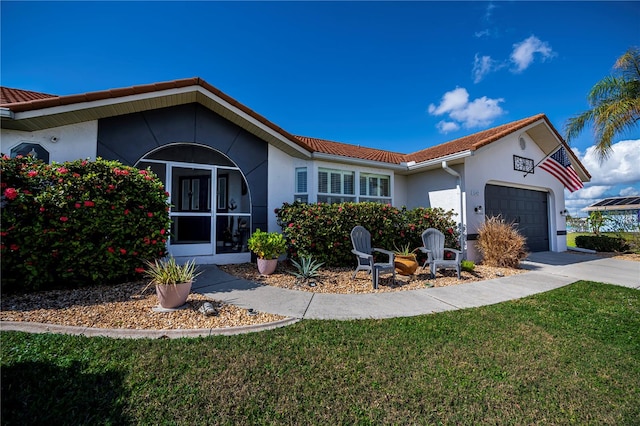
(547, 271)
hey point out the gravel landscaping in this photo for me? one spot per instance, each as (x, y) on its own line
(127, 306)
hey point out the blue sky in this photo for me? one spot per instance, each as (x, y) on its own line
(400, 76)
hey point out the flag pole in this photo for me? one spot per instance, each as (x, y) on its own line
(544, 158)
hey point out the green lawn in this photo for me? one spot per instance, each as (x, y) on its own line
(569, 356)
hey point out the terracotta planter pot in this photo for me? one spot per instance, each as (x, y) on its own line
(267, 266)
(406, 264)
(172, 296)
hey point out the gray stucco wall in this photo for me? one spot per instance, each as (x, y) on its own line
(130, 137)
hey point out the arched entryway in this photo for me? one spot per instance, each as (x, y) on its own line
(210, 202)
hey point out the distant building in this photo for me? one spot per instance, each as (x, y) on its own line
(624, 212)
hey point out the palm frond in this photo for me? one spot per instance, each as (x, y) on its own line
(615, 105)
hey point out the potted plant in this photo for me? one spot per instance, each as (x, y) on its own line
(173, 282)
(405, 260)
(268, 246)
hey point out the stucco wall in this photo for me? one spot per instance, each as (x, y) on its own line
(74, 142)
(434, 188)
(130, 137)
(282, 182)
(494, 164)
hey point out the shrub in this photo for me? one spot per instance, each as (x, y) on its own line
(602, 243)
(267, 245)
(468, 265)
(324, 230)
(78, 223)
(500, 244)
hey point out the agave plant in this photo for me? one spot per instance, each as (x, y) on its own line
(169, 272)
(307, 268)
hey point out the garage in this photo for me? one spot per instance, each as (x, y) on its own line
(526, 208)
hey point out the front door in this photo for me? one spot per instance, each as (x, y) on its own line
(191, 212)
(210, 203)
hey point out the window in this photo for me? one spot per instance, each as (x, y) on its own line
(335, 186)
(375, 188)
(301, 193)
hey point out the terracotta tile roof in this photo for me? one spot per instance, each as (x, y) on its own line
(474, 141)
(25, 103)
(12, 96)
(352, 151)
(18, 100)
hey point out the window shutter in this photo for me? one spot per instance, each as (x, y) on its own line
(336, 184)
(348, 184)
(301, 180)
(323, 182)
(385, 187)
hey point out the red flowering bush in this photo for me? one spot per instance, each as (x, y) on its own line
(324, 230)
(78, 223)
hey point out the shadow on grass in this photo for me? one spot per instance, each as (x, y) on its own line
(41, 393)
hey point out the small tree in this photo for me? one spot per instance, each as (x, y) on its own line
(596, 221)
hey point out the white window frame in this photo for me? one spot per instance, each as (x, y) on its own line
(366, 193)
(301, 193)
(334, 196)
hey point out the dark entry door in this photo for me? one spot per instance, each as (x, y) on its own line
(526, 208)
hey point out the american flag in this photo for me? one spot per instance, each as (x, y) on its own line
(559, 166)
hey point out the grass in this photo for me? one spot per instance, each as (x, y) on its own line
(569, 356)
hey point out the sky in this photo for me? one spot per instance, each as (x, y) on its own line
(399, 76)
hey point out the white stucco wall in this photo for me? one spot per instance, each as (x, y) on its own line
(493, 164)
(77, 141)
(434, 188)
(281, 177)
(400, 194)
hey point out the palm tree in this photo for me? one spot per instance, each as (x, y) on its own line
(615, 104)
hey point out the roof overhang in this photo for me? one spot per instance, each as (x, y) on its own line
(548, 139)
(6, 113)
(104, 107)
(457, 158)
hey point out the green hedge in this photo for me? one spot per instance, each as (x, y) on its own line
(324, 230)
(602, 243)
(78, 223)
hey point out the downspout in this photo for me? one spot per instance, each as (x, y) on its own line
(452, 172)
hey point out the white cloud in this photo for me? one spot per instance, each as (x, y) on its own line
(483, 65)
(451, 101)
(483, 33)
(523, 53)
(447, 126)
(489, 11)
(620, 168)
(479, 112)
(629, 191)
(610, 178)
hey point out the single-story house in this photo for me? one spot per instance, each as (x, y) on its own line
(227, 168)
(623, 212)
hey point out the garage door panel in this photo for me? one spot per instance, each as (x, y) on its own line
(526, 207)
